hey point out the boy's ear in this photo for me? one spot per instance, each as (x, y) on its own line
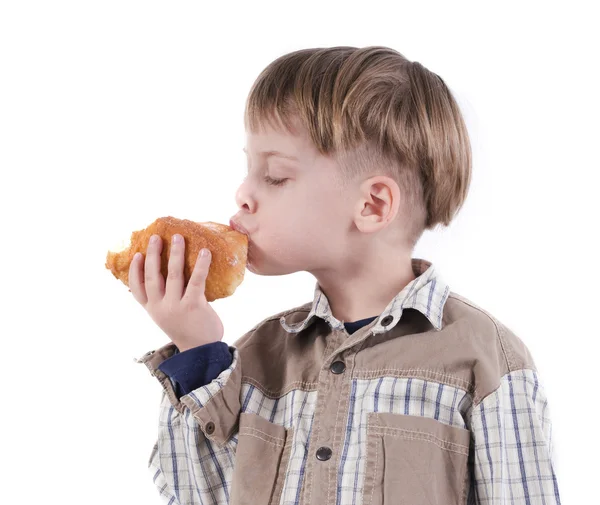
(378, 204)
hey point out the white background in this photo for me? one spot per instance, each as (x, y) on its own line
(113, 113)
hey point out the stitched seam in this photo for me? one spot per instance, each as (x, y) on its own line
(317, 410)
(502, 343)
(335, 430)
(251, 432)
(359, 374)
(256, 430)
(463, 494)
(478, 400)
(286, 457)
(311, 386)
(498, 334)
(417, 432)
(500, 330)
(418, 435)
(374, 472)
(342, 439)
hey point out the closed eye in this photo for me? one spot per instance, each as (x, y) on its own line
(274, 182)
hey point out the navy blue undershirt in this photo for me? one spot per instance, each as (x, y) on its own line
(200, 365)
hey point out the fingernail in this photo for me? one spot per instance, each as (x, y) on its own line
(204, 253)
(177, 239)
(137, 256)
(154, 239)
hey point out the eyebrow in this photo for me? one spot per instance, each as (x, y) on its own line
(268, 154)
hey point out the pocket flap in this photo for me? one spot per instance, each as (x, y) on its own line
(421, 428)
(253, 425)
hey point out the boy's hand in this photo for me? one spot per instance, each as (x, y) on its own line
(186, 317)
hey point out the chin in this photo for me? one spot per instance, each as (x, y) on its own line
(263, 269)
(266, 262)
(266, 268)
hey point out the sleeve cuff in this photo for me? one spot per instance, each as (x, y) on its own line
(197, 367)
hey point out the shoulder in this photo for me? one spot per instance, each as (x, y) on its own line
(276, 361)
(273, 323)
(496, 349)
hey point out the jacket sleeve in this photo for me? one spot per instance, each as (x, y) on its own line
(192, 460)
(512, 444)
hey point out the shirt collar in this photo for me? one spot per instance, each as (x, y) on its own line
(427, 294)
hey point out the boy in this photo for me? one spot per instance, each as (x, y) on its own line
(387, 387)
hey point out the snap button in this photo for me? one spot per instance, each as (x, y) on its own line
(338, 367)
(323, 453)
(386, 321)
(210, 427)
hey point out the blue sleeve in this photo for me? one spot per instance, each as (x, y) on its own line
(196, 367)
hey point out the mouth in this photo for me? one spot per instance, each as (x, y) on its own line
(238, 228)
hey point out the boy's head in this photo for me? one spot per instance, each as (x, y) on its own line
(381, 154)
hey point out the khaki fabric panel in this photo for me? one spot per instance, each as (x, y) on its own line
(415, 460)
(262, 456)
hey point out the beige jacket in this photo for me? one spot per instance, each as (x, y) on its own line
(434, 402)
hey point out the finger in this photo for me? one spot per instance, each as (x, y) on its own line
(136, 279)
(155, 282)
(197, 284)
(174, 287)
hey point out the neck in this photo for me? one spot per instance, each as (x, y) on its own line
(365, 288)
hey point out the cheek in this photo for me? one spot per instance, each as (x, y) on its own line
(325, 213)
(302, 215)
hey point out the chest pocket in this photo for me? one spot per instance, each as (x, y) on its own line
(261, 460)
(415, 460)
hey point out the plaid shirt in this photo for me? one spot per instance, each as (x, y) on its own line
(434, 401)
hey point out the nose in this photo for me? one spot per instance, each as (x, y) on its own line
(243, 198)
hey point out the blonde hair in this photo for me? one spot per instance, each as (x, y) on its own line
(375, 112)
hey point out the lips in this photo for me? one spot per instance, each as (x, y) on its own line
(237, 227)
